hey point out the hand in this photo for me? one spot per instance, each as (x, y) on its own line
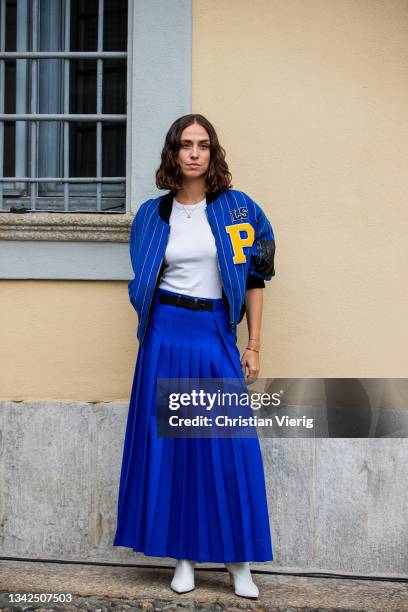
(250, 362)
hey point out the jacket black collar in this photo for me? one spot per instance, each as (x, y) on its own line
(166, 203)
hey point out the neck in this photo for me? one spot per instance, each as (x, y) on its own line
(191, 192)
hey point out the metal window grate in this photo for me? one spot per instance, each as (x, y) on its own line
(23, 190)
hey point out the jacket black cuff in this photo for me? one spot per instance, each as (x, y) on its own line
(253, 282)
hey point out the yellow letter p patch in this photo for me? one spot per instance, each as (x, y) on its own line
(237, 242)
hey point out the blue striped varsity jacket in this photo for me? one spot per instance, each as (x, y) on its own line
(244, 240)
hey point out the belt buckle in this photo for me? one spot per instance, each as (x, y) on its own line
(200, 303)
(178, 300)
(197, 303)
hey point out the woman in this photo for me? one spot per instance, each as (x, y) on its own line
(200, 255)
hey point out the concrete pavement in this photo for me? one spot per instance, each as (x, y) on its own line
(113, 587)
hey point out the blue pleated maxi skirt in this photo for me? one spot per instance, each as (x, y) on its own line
(202, 499)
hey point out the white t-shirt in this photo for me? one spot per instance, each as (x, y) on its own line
(191, 253)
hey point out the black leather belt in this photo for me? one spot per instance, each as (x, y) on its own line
(185, 302)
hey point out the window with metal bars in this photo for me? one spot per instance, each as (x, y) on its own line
(63, 66)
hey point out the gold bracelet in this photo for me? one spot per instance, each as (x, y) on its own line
(252, 349)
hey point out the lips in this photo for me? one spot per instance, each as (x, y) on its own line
(193, 165)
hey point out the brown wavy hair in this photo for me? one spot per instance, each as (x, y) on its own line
(168, 175)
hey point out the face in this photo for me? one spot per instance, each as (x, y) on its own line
(194, 152)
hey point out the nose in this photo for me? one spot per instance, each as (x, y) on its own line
(194, 152)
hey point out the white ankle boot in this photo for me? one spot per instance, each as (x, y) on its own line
(183, 579)
(240, 577)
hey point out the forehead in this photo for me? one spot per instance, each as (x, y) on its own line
(195, 131)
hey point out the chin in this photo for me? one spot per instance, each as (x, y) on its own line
(196, 173)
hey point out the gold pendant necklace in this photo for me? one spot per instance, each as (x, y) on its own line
(191, 211)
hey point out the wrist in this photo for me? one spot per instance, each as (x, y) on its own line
(251, 348)
(253, 344)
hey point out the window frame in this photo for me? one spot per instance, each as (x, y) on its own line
(158, 91)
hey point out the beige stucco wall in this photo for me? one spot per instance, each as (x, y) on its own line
(67, 340)
(310, 101)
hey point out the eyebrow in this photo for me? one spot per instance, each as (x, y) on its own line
(186, 140)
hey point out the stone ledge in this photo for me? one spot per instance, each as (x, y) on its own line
(84, 227)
